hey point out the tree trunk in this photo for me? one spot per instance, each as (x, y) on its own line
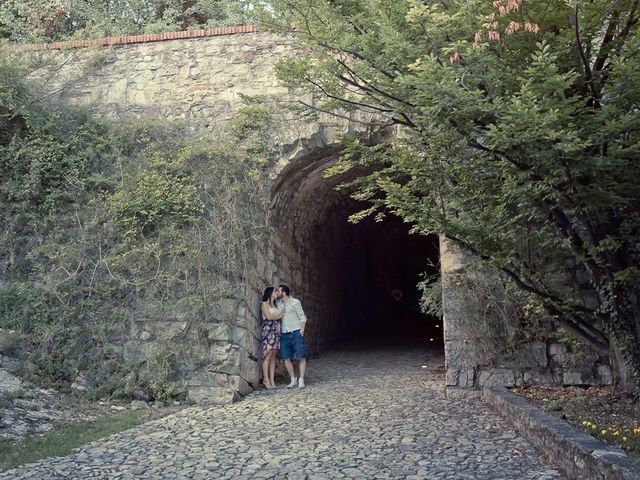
(621, 369)
(625, 339)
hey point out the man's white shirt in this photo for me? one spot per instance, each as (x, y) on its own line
(293, 316)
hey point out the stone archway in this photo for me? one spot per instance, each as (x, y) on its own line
(356, 282)
(343, 273)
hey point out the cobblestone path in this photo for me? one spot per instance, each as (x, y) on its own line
(364, 414)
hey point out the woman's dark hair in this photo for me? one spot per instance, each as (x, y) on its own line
(266, 296)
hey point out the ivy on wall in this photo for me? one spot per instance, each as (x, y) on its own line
(110, 227)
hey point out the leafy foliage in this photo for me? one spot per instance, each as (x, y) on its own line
(109, 229)
(49, 20)
(519, 137)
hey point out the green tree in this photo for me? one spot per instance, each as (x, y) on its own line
(50, 20)
(520, 136)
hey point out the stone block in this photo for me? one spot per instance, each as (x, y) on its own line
(81, 383)
(239, 384)
(460, 377)
(170, 329)
(218, 331)
(456, 393)
(271, 270)
(537, 377)
(212, 395)
(451, 259)
(577, 377)
(558, 354)
(538, 351)
(243, 338)
(226, 309)
(285, 266)
(496, 377)
(232, 365)
(138, 405)
(604, 375)
(467, 378)
(207, 378)
(451, 377)
(531, 356)
(261, 265)
(453, 324)
(252, 375)
(252, 300)
(588, 358)
(8, 341)
(218, 354)
(234, 381)
(463, 353)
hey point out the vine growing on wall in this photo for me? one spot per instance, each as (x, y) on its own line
(110, 228)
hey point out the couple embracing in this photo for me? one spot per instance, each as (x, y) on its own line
(283, 323)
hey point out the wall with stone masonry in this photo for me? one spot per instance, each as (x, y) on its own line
(201, 77)
(477, 348)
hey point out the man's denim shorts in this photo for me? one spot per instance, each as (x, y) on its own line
(292, 345)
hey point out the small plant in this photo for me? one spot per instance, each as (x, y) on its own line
(554, 406)
(7, 447)
(625, 437)
(167, 392)
(7, 398)
(431, 299)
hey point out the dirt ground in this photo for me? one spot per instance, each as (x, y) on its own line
(604, 412)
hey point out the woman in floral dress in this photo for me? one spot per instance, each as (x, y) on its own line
(270, 338)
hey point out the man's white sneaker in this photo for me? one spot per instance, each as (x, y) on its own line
(294, 382)
(301, 383)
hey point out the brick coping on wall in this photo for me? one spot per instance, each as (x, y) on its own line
(146, 38)
(580, 456)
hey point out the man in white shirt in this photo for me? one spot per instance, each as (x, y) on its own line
(292, 338)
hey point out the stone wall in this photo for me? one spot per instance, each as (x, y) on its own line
(482, 348)
(200, 78)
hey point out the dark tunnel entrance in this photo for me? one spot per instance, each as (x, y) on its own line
(383, 264)
(357, 282)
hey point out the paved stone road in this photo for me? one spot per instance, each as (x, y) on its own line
(364, 414)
